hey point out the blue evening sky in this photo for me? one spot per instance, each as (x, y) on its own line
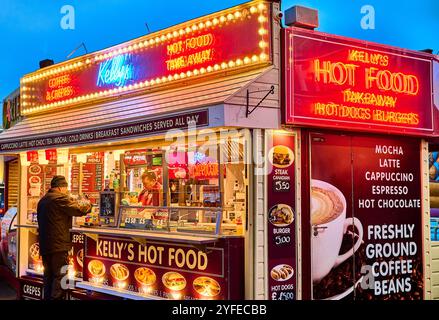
(30, 30)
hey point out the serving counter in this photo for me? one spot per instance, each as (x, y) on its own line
(134, 264)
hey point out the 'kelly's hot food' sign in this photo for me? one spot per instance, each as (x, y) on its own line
(338, 82)
(172, 271)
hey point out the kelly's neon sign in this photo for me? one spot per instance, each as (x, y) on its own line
(345, 83)
(238, 37)
(117, 71)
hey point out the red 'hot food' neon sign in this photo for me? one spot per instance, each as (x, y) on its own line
(337, 82)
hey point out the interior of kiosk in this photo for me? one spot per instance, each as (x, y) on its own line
(195, 186)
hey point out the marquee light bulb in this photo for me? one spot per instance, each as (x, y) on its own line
(261, 19)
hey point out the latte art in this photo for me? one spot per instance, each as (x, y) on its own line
(325, 206)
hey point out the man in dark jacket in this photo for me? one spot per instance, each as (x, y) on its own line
(55, 211)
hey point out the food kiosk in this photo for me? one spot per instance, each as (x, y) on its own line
(157, 133)
(363, 113)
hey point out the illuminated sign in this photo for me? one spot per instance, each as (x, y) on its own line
(117, 71)
(232, 39)
(337, 82)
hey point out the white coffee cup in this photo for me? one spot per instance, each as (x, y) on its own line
(327, 237)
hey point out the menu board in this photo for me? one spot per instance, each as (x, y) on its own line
(281, 217)
(74, 177)
(49, 172)
(366, 217)
(93, 174)
(169, 270)
(108, 207)
(387, 198)
(35, 179)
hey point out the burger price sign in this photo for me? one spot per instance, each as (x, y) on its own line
(154, 268)
(281, 217)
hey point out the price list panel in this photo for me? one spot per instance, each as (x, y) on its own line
(281, 217)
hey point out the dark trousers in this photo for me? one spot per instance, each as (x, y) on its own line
(53, 263)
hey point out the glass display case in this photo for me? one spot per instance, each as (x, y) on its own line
(205, 221)
(194, 189)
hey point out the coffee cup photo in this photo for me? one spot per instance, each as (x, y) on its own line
(329, 225)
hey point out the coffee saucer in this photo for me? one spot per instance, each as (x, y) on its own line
(347, 292)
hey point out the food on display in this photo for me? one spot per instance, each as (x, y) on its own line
(145, 276)
(206, 286)
(281, 215)
(282, 272)
(119, 272)
(96, 268)
(174, 281)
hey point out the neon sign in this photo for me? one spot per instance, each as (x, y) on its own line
(356, 85)
(59, 88)
(236, 38)
(117, 71)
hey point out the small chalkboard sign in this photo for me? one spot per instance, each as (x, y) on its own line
(108, 207)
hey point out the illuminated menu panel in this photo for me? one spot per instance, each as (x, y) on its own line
(342, 83)
(236, 38)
